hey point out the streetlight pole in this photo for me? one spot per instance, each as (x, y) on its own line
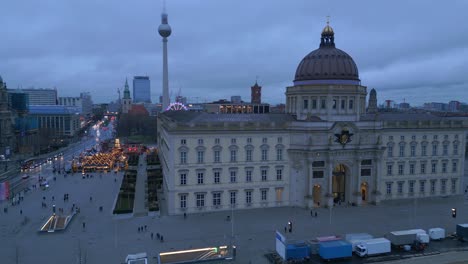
(232, 225)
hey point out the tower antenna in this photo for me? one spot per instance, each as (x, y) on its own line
(164, 6)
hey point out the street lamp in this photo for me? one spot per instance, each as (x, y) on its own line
(454, 212)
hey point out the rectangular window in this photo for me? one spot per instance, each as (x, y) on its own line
(400, 169)
(217, 175)
(264, 175)
(279, 174)
(233, 141)
(411, 169)
(233, 176)
(248, 176)
(343, 104)
(444, 167)
(233, 155)
(183, 141)
(402, 138)
(402, 151)
(413, 138)
(443, 186)
(433, 167)
(323, 104)
(217, 141)
(264, 140)
(318, 164)
(264, 195)
(433, 186)
(183, 157)
(365, 172)
(389, 188)
(400, 187)
(200, 176)
(423, 150)
(264, 154)
(455, 149)
(454, 166)
(306, 104)
(200, 141)
(200, 200)
(200, 156)
(217, 156)
(434, 150)
(334, 103)
(422, 187)
(411, 187)
(317, 174)
(279, 154)
(183, 201)
(314, 103)
(389, 169)
(445, 150)
(216, 199)
(423, 168)
(413, 151)
(233, 196)
(390, 151)
(248, 197)
(183, 179)
(248, 155)
(249, 140)
(280, 140)
(351, 104)
(454, 186)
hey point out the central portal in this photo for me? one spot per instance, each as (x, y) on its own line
(339, 183)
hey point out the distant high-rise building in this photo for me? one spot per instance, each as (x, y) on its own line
(41, 96)
(454, 106)
(256, 96)
(86, 103)
(236, 99)
(71, 101)
(141, 89)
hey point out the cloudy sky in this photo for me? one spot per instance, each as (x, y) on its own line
(413, 50)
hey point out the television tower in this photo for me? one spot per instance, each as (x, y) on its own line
(165, 31)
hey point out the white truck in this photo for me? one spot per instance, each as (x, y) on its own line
(418, 238)
(375, 246)
(356, 238)
(139, 258)
(436, 233)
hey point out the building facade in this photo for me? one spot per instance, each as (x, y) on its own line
(7, 137)
(326, 149)
(141, 89)
(62, 121)
(71, 101)
(41, 96)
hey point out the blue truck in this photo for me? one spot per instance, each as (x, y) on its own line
(338, 249)
(297, 251)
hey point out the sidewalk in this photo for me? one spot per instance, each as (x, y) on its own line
(139, 204)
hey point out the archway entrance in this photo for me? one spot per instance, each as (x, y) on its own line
(339, 183)
(364, 193)
(317, 194)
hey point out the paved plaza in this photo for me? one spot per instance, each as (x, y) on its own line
(108, 238)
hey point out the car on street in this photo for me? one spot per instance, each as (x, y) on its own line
(25, 176)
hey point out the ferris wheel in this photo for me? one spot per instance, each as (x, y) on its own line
(176, 107)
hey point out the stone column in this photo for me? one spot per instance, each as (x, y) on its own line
(329, 174)
(377, 178)
(358, 198)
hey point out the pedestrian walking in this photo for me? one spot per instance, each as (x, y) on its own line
(21, 212)
(138, 229)
(158, 236)
(90, 198)
(315, 214)
(285, 229)
(84, 225)
(311, 213)
(185, 215)
(145, 227)
(162, 238)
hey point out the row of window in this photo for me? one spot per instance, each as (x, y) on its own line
(424, 137)
(233, 141)
(233, 176)
(412, 153)
(422, 187)
(323, 104)
(216, 198)
(422, 168)
(233, 155)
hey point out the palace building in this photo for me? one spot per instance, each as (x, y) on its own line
(327, 148)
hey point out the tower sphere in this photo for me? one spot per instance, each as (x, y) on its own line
(164, 30)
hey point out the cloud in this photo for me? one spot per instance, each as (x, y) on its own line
(413, 50)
